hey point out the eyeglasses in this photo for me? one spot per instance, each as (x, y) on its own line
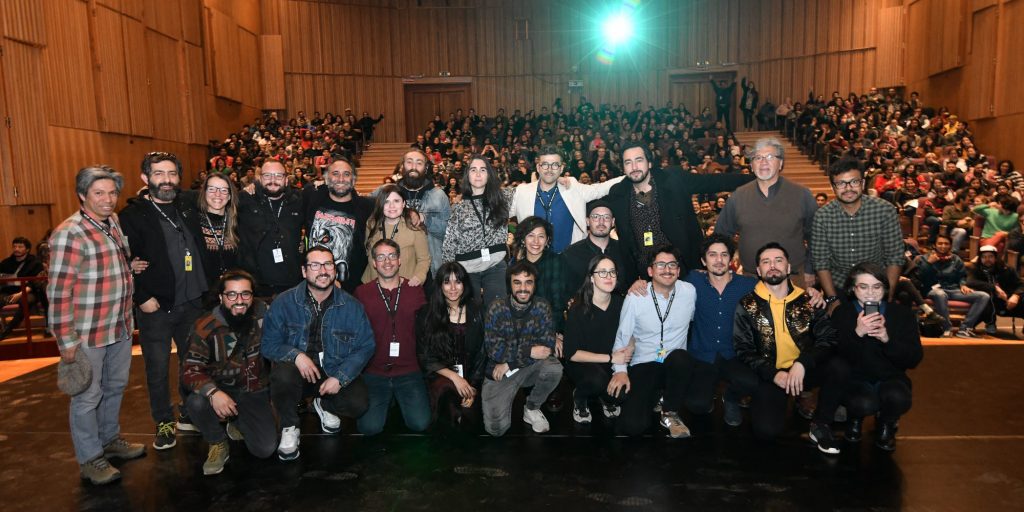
(274, 175)
(662, 265)
(854, 183)
(550, 166)
(604, 274)
(597, 216)
(766, 158)
(232, 295)
(219, 190)
(315, 266)
(385, 257)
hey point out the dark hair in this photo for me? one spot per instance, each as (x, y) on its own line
(155, 157)
(434, 330)
(235, 275)
(549, 149)
(664, 249)
(822, 195)
(771, 245)
(844, 165)
(318, 248)
(338, 158)
(388, 242)
(1009, 163)
(524, 228)
(874, 270)
(944, 235)
(584, 297)
(23, 241)
(494, 198)
(641, 145)
(376, 220)
(519, 267)
(1009, 203)
(718, 238)
(428, 165)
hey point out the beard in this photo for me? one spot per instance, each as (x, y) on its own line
(237, 323)
(414, 182)
(163, 194)
(774, 279)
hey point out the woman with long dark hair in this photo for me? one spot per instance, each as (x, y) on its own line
(590, 328)
(450, 342)
(532, 243)
(477, 231)
(880, 341)
(391, 219)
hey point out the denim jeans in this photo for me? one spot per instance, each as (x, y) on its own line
(409, 390)
(95, 412)
(492, 281)
(287, 388)
(255, 420)
(156, 330)
(978, 301)
(497, 396)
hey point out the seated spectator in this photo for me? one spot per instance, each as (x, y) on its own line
(944, 278)
(21, 263)
(1000, 217)
(1003, 284)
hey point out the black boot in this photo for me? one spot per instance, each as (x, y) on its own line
(854, 430)
(886, 437)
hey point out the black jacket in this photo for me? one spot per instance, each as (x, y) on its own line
(754, 333)
(141, 224)
(431, 361)
(870, 359)
(261, 230)
(985, 280)
(675, 187)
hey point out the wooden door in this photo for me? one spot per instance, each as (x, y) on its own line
(424, 101)
(694, 91)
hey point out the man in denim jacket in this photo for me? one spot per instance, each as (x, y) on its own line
(319, 339)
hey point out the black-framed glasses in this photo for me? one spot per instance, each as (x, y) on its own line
(315, 265)
(854, 183)
(662, 265)
(604, 274)
(384, 257)
(233, 295)
(550, 166)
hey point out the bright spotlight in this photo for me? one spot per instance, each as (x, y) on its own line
(618, 28)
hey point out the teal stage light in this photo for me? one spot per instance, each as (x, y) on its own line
(618, 28)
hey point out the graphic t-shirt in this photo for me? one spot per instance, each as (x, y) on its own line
(341, 227)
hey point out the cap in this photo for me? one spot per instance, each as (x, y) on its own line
(988, 248)
(75, 377)
(597, 203)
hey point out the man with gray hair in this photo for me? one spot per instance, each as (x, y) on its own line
(90, 289)
(771, 209)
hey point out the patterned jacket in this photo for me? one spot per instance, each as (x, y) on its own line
(91, 285)
(754, 333)
(210, 364)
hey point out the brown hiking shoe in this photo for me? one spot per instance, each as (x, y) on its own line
(99, 471)
(120, 448)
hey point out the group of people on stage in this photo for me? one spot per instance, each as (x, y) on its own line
(274, 295)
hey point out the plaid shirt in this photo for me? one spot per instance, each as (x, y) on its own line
(90, 286)
(839, 240)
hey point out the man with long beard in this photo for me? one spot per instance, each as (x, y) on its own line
(169, 291)
(336, 218)
(227, 375)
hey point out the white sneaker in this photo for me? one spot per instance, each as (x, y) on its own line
(289, 447)
(536, 419)
(328, 422)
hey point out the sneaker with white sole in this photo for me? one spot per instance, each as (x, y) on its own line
(821, 435)
(676, 428)
(288, 449)
(184, 424)
(166, 436)
(966, 332)
(581, 413)
(611, 410)
(536, 420)
(328, 422)
(233, 433)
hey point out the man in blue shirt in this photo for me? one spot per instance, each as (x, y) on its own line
(719, 290)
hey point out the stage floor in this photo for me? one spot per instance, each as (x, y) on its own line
(960, 448)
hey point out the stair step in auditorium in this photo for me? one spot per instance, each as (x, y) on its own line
(377, 163)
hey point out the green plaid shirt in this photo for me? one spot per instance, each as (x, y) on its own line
(839, 240)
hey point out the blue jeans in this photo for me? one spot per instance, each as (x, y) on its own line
(409, 390)
(156, 330)
(941, 298)
(95, 412)
(493, 283)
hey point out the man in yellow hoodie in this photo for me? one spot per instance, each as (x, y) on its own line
(789, 344)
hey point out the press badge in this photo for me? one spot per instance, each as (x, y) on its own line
(648, 238)
(511, 372)
(188, 261)
(278, 255)
(321, 354)
(458, 370)
(661, 356)
(393, 351)
(485, 254)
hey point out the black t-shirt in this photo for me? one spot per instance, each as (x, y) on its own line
(593, 331)
(340, 226)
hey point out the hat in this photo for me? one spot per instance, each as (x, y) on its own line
(75, 377)
(988, 248)
(597, 203)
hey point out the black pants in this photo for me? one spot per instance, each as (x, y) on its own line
(445, 398)
(287, 387)
(908, 294)
(890, 398)
(768, 410)
(591, 381)
(748, 118)
(741, 378)
(255, 420)
(671, 378)
(156, 330)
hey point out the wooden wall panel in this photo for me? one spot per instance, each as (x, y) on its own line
(192, 21)
(272, 60)
(23, 21)
(163, 16)
(195, 111)
(980, 70)
(227, 80)
(1009, 72)
(139, 104)
(68, 63)
(111, 79)
(889, 68)
(167, 87)
(249, 68)
(22, 81)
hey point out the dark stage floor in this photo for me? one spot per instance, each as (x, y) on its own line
(960, 448)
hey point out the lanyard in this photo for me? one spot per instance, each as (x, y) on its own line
(105, 231)
(218, 237)
(482, 217)
(657, 309)
(164, 215)
(277, 214)
(393, 231)
(393, 313)
(550, 204)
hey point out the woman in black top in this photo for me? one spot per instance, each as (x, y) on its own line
(590, 330)
(211, 215)
(450, 344)
(880, 348)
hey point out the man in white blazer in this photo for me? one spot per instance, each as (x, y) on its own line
(563, 204)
